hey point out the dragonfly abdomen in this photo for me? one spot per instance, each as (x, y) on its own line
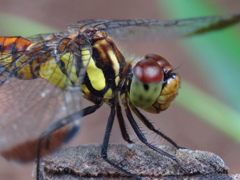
(13, 45)
(11, 49)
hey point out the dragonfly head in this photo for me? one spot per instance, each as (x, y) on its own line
(154, 84)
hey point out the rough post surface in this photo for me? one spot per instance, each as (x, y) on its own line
(86, 162)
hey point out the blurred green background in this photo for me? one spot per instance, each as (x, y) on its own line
(207, 117)
(217, 56)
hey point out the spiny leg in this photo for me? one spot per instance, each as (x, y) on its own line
(106, 142)
(144, 140)
(59, 124)
(122, 124)
(151, 127)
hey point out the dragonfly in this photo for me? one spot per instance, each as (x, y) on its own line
(43, 79)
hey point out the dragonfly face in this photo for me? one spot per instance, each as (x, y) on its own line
(42, 80)
(154, 84)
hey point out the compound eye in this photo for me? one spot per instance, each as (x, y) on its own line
(148, 71)
(146, 83)
(159, 59)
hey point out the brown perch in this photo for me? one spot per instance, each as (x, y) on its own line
(85, 162)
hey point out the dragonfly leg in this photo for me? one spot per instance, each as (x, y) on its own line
(122, 124)
(106, 142)
(45, 136)
(144, 140)
(152, 128)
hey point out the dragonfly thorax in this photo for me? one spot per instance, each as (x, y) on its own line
(104, 68)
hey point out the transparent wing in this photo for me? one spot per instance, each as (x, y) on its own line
(28, 107)
(156, 29)
(48, 36)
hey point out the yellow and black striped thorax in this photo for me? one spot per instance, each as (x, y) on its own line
(104, 69)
